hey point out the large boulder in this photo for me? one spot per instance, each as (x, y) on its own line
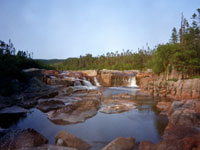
(121, 143)
(175, 138)
(185, 113)
(64, 138)
(26, 138)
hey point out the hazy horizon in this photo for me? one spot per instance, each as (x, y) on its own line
(66, 28)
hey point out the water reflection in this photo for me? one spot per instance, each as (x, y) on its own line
(142, 123)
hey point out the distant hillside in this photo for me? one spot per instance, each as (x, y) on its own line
(50, 61)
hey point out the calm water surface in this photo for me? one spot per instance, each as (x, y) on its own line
(142, 123)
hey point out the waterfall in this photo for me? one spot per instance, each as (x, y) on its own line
(132, 82)
(87, 83)
(96, 81)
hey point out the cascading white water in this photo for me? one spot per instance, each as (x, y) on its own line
(87, 83)
(132, 82)
(96, 81)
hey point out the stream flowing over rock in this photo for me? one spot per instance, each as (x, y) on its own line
(116, 78)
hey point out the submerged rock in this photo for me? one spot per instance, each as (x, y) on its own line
(121, 143)
(64, 138)
(117, 106)
(26, 138)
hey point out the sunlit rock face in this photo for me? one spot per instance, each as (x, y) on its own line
(174, 88)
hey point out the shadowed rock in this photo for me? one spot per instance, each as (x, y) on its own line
(26, 138)
(13, 110)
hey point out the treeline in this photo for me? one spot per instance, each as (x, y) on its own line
(12, 63)
(182, 52)
(125, 60)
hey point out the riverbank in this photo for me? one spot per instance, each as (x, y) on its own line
(70, 99)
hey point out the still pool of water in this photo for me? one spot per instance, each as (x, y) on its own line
(142, 123)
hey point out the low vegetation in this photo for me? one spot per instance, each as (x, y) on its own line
(11, 65)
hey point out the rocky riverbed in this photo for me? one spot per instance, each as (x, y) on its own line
(69, 111)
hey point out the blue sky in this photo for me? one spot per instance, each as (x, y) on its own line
(70, 28)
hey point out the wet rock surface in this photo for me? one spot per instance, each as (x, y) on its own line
(26, 138)
(74, 112)
(64, 138)
(50, 104)
(64, 105)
